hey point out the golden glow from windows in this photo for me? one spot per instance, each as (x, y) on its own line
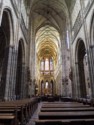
(47, 49)
(46, 64)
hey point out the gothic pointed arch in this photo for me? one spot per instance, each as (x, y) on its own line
(19, 74)
(80, 69)
(6, 38)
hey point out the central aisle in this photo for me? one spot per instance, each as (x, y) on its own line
(35, 115)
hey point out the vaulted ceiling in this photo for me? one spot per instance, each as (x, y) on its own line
(70, 3)
(52, 12)
(47, 42)
(49, 19)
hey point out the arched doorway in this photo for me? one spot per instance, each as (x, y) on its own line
(19, 74)
(80, 72)
(4, 51)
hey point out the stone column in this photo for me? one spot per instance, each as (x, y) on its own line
(1, 5)
(15, 54)
(26, 82)
(91, 63)
(63, 58)
(8, 89)
(23, 81)
(73, 81)
(11, 74)
(77, 83)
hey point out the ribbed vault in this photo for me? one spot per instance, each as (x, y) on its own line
(50, 18)
(49, 12)
(48, 42)
(49, 22)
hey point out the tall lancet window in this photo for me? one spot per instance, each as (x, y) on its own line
(42, 64)
(68, 44)
(51, 64)
(46, 64)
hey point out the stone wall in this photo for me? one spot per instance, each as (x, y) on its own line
(18, 31)
(81, 30)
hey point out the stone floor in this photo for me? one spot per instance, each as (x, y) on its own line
(35, 115)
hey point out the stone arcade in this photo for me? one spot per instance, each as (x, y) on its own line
(46, 49)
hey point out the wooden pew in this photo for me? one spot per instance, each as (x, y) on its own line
(65, 122)
(66, 115)
(64, 106)
(66, 99)
(8, 119)
(9, 107)
(53, 103)
(24, 109)
(66, 109)
(49, 103)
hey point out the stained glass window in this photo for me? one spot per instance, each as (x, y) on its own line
(42, 64)
(68, 40)
(46, 64)
(51, 64)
